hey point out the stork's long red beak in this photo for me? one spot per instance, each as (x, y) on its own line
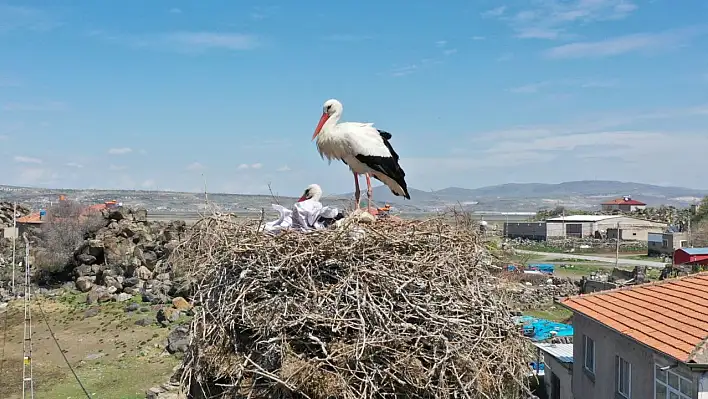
(303, 198)
(323, 120)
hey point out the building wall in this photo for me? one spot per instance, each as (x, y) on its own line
(632, 234)
(668, 244)
(609, 344)
(555, 229)
(564, 372)
(532, 231)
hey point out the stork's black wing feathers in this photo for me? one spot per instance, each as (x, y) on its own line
(387, 165)
(386, 136)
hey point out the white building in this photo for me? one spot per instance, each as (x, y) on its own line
(586, 226)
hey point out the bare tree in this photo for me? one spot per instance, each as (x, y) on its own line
(63, 231)
(699, 234)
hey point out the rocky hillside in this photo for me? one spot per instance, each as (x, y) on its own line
(123, 258)
(6, 209)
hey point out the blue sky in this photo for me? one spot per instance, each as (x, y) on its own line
(151, 95)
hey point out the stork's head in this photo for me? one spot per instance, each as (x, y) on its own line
(313, 192)
(330, 108)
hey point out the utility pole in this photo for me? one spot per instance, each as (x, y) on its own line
(14, 238)
(617, 246)
(690, 237)
(206, 197)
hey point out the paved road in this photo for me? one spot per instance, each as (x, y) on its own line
(603, 259)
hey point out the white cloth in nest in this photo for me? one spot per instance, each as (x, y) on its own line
(302, 217)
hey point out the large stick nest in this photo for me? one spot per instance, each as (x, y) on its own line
(408, 310)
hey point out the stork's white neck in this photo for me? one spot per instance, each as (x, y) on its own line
(331, 123)
(316, 195)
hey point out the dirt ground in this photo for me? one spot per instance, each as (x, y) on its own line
(113, 357)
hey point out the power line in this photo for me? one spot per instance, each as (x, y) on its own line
(4, 338)
(44, 317)
(27, 339)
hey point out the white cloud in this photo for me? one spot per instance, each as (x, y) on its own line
(117, 167)
(580, 83)
(26, 18)
(6, 81)
(149, 183)
(4, 137)
(23, 159)
(284, 168)
(185, 41)
(639, 42)
(505, 57)
(195, 166)
(74, 165)
(478, 38)
(598, 147)
(45, 106)
(347, 38)
(120, 150)
(550, 19)
(450, 51)
(175, 11)
(31, 176)
(441, 43)
(495, 12)
(244, 166)
(404, 70)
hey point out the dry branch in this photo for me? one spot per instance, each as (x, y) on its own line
(409, 310)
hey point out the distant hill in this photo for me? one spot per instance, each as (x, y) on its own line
(583, 194)
(526, 197)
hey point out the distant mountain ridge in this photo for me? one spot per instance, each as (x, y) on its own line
(598, 190)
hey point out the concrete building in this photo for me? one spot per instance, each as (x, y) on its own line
(587, 225)
(644, 341)
(530, 230)
(625, 204)
(557, 370)
(665, 243)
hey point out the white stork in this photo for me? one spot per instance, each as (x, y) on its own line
(362, 147)
(312, 192)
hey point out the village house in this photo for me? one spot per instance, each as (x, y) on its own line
(583, 226)
(625, 204)
(643, 341)
(666, 243)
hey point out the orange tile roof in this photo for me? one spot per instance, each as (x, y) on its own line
(669, 316)
(31, 218)
(622, 201)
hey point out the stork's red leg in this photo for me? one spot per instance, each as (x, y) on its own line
(357, 191)
(369, 193)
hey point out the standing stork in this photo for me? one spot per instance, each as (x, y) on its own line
(362, 147)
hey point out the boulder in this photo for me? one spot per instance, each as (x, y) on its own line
(178, 340)
(181, 304)
(143, 273)
(84, 284)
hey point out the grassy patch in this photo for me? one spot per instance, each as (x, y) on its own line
(553, 313)
(580, 269)
(113, 357)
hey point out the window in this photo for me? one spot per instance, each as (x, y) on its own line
(670, 385)
(683, 244)
(623, 385)
(665, 243)
(589, 355)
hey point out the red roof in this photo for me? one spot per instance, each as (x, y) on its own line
(31, 218)
(669, 316)
(621, 201)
